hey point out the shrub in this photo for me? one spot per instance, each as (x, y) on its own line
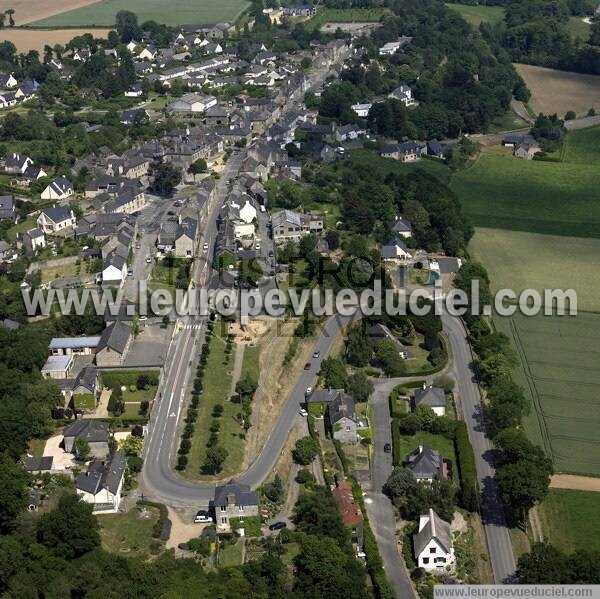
(182, 462)
(469, 495)
(304, 476)
(185, 446)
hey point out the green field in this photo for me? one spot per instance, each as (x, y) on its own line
(128, 534)
(578, 29)
(541, 197)
(570, 519)
(582, 147)
(519, 260)
(559, 370)
(478, 14)
(175, 12)
(346, 15)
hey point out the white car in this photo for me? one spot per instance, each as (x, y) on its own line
(206, 246)
(203, 517)
(303, 412)
(148, 260)
(308, 391)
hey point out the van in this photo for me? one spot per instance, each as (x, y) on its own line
(262, 208)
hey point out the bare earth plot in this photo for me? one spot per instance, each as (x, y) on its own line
(27, 11)
(36, 39)
(554, 91)
(559, 371)
(577, 483)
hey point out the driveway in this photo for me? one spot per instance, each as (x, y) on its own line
(62, 459)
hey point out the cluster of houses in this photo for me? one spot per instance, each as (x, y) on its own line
(411, 151)
(394, 46)
(524, 146)
(13, 92)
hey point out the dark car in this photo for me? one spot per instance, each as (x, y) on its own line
(387, 448)
(277, 526)
(307, 366)
(170, 213)
(271, 253)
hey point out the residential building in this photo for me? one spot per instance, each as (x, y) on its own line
(433, 545)
(431, 396)
(233, 500)
(349, 510)
(300, 10)
(58, 367)
(60, 189)
(32, 240)
(426, 463)
(527, 151)
(114, 344)
(185, 239)
(401, 228)
(7, 208)
(95, 432)
(395, 252)
(114, 269)
(101, 484)
(408, 151)
(8, 80)
(393, 47)
(41, 465)
(343, 420)
(17, 164)
(289, 226)
(403, 94)
(56, 218)
(82, 346)
(192, 103)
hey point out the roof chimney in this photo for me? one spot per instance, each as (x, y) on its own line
(231, 499)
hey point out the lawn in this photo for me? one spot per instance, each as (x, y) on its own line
(20, 227)
(346, 15)
(128, 534)
(52, 270)
(84, 401)
(217, 386)
(508, 122)
(582, 146)
(175, 12)
(570, 519)
(231, 555)
(540, 197)
(558, 369)
(517, 260)
(478, 14)
(554, 91)
(408, 444)
(251, 363)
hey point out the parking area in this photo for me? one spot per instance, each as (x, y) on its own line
(150, 347)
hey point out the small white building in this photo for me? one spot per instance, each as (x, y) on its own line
(362, 110)
(8, 81)
(101, 484)
(56, 218)
(434, 549)
(58, 367)
(248, 212)
(60, 189)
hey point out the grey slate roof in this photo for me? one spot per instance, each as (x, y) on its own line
(436, 528)
(93, 431)
(115, 336)
(39, 464)
(425, 462)
(342, 406)
(58, 214)
(103, 474)
(242, 493)
(430, 396)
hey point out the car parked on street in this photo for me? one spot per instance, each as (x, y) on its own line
(307, 366)
(387, 448)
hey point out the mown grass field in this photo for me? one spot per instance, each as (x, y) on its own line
(558, 369)
(554, 91)
(504, 192)
(128, 534)
(346, 15)
(570, 519)
(520, 260)
(175, 12)
(582, 147)
(478, 14)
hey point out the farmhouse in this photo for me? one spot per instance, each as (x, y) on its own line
(434, 549)
(102, 484)
(56, 218)
(527, 151)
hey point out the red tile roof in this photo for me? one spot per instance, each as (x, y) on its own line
(348, 508)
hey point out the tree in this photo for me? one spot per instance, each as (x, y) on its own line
(127, 26)
(400, 482)
(359, 386)
(215, 457)
(10, 12)
(595, 33)
(70, 530)
(389, 357)
(165, 178)
(82, 449)
(316, 513)
(198, 167)
(333, 373)
(13, 492)
(274, 490)
(247, 385)
(544, 564)
(359, 348)
(131, 446)
(305, 450)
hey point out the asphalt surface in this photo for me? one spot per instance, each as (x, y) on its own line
(492, 512)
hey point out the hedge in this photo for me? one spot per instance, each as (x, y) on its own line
(469, 496)
(127, 377)
(342, 456)
(162, 528)
(396, 457)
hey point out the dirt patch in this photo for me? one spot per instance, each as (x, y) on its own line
(557, 92)
(251, 332)
(27, 11)
(275, 383)
(36, 39)
(577, 483)
(182, 529)
(62, 459)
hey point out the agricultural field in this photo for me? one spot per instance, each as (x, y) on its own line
(35, 39)
(518, 260)
(582, 146)
(499, 191)
(570, 519)
(27, 11)
(559, 359)
(478, 14)
(556, 92)
(175, 12)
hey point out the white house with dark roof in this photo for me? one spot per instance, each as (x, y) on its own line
(401, 228)
(8, 80)
(17, 164)
(395, 252)
(433, 545)
(60, 189)
(101, 485)
(32, 240)
(56, 218)
(431, 396)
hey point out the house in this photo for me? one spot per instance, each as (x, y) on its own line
(434, 549)
(8, 99)
(7, 251)
(426, 463)
(401, 228)
(7, 208)
(147, 53)
(8, 80)
(527, 151)
(114, 344)
(349, 132)
(95, 432)
(81, 346)
(362, 110)
(40, 465)
(185, 239)
(395, 252)
(56, 218)
(408, 151)
(58, 367)
(32, 240)
(27, 90)
(437, 149)
(343, 420)
(16, 164)
(128, 117)
(192, 103)
(81, 55)
(248, 212)
(403, 94)
(512, 140)
(32, 174)
(101, 484)
(348, 509)
(233, 500)
(134, 91)
(114, 269)
(288, 225)
(393, 47)
(431, 396)
(60, 189)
